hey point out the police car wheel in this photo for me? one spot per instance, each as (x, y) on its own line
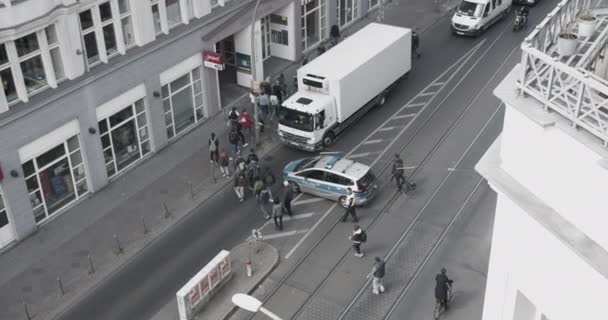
(294, 186)
(342, 201)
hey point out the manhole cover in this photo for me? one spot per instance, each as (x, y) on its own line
(26, 289)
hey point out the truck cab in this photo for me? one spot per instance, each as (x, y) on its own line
(304, 119)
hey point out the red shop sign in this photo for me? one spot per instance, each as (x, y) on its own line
(213, 60)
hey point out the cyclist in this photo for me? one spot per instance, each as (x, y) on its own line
(442, 284)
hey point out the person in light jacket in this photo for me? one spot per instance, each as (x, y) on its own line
(277, 214)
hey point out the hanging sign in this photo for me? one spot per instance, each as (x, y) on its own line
(213, 60)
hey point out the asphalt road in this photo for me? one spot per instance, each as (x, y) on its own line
(143, 286)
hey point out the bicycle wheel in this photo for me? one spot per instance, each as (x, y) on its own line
(437, 311)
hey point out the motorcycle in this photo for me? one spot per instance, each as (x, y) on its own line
(520, 22)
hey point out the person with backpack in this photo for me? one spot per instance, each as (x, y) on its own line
(252, 157)
(359, 236)
(224, 162)
(233, 118)
(277, 214)
(260, 195)
(233, 138)
(240, 166)
(246, 121)
(239, 186)
(213, 148)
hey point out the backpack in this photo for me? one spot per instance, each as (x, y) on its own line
(212, 145)
(241, 166)
(233, 137)
(270, 179)
(363, 236)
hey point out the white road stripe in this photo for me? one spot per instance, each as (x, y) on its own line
(413, 105)
(284, 234)
(298, 216)
(438, 84)
(310, 231)
(402, 116)
(359, 155)
(387, 129)
(427, 94)
(372, 141)
(305, 201)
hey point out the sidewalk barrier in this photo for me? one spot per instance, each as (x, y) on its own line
(27, 311)
(61, 290)
(91, 268)
(119, 248)
(143, 224)
(199, 290)
(166, 213)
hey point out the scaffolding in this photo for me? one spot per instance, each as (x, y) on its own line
(568, 84)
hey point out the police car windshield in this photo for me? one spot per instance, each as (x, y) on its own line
(366, 181)
(307, 163)
(296, 119)
(470, 9)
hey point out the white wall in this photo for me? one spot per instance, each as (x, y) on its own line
(242, 44)
(527, 257)
(285, 51)
(558, 169)
(24, 11)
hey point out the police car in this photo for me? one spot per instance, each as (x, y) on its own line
(329, 176)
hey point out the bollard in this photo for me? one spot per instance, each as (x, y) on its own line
(119, 247)
(27, 311)
(143, 223)
(91, 268)
(60, 286)
(248, 267)
(167, 213)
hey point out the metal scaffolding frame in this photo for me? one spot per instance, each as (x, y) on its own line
(567, 84)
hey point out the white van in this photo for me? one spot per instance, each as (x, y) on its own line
(474, 16)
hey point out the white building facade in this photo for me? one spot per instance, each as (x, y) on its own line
(549, 255)
(89, 89)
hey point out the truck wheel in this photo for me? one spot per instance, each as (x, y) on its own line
(328, 139)
(295, 187)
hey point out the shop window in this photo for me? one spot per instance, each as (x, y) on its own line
(174, 16)
(313, 22)
(183, 102)
(3, 214)
(100, 22)
(243, 61)
(277, 19)
(55, 179)
(280, 37)
(124, 137)
(166, 14)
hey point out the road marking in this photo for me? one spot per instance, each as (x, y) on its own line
(310, 230)
(372, 141)
(402, 116)
(297, 197)
(305, 201)
(299, 216)
(438, 84)
(387, 129)
(413, 105)
(359, 155)
(284, 234)
(428, 94)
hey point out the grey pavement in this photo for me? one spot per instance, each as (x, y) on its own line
(137, 207)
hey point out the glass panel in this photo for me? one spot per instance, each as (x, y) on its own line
(141, 120)
(109, 38)
(196, 74)
(143, 133)
(28, 168)
(170, 132)
(50, 156)
(90, 45)
(103, 126)
(73, 143)
(76, 159)
(168, 119)
(312, 22)
(110, 169)
(3, 55)
(311, 5)
(1, 203)
(57, 185)
(33, 73)
(139, 106)
(108, 156)
(39, 213)
(27, 44)
(173, 12)
(165, 91)
(51, 34)
(78, 172)
(123, 6)
(180, 83)
(86, 20)
(127, 31)
(145, 147)
(82, 187)
(197, 87)
(105, 11)
(198, 100)
(156, 18)
(6, 76)
(31, 184)
(166, 105)
(199, 114)
(105, 141)
(182, 109)
(121, 116)
(57, 63)
(126, 149)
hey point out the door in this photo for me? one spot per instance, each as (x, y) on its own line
(338, 184)
(6, 230)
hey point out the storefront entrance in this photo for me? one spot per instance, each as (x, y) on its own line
(124, 137)
(55, 178)
(6, 232)
(183, 102)
(228, 82)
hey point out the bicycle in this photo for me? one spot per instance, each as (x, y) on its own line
(440, 306)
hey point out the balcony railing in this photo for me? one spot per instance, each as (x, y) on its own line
(568, 84)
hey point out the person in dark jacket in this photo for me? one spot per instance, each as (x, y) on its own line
(224, 162)
(358, 238)
(240, 166)
(277, 91)
(397, 171)
(214, 145)
(287, 197)
(239, 186)
(233, 138)
(277, 214)
(233, 117)
(378, 272)
(415, 44)
(442, 284)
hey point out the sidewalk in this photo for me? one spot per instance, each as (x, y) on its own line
(115, 223)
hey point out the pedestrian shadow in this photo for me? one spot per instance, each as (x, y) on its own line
(460, 299)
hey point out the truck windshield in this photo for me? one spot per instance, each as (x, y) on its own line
(296, 119)
(470, 9)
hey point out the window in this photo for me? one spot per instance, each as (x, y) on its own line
(156, 18)
(106, 30)
(280, 37)
(6, 76)
(3, 214)
(277, 19)
(166, 14)
(313, 22)
(337, 179)
(314, 174)
(174, 16)
(183, 102)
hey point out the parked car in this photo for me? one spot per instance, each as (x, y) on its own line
(329, 176)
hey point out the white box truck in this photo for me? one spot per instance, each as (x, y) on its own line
(341, 85)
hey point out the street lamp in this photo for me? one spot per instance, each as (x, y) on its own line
(253, 73)
(252, 304)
